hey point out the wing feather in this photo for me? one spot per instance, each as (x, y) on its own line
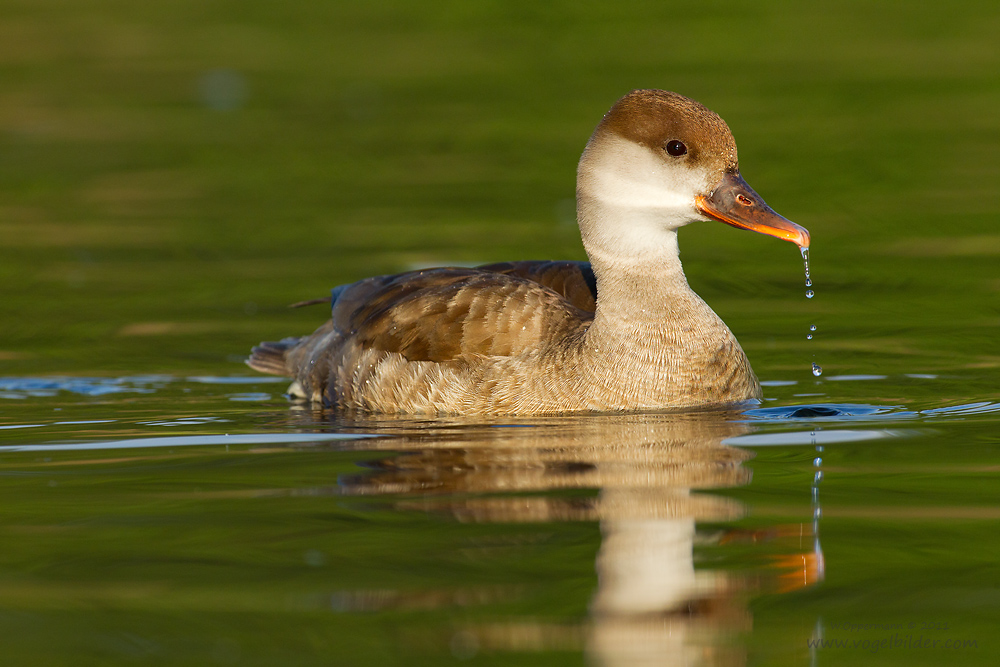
(573, 280)
(445, 314)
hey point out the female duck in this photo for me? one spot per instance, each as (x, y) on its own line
(622, 332)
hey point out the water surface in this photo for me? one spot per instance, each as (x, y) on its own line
(239, 529)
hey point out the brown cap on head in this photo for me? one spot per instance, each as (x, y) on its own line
(653, 118)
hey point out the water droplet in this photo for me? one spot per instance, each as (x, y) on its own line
(812, 327)
(810, 294)
(817, 461)
(817, 371)
(805, 264)
(809, 336)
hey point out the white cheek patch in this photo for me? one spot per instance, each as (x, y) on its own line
(640, 199)
(625, 175)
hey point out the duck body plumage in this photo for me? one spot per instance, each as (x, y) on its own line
(499, 339)
(623, 332)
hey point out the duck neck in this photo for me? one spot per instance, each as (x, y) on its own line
(646, 306)
(638, 288)
(643, 294)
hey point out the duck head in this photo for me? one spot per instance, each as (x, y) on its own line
(656, 162)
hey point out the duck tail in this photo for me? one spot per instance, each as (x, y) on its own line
(271, 357)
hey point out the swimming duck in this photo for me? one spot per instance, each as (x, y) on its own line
(623, 332)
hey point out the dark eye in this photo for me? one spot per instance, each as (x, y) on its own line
(676, 148)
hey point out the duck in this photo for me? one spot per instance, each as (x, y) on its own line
(623, 332)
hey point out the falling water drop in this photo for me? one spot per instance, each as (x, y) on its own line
(816, 370)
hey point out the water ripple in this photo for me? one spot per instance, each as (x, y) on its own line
(188, 441)
(41, 387)
(817, 437)
(983, 407)
(855, 412)
(26, 387)
(829, 412)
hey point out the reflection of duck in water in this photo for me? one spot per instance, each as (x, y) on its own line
(624, 332)
(653, 475)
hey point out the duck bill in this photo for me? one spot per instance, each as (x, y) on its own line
(735, 203)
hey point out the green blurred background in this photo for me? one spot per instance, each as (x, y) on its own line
(172, 174)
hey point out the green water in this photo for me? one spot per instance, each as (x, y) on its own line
(173, 174)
